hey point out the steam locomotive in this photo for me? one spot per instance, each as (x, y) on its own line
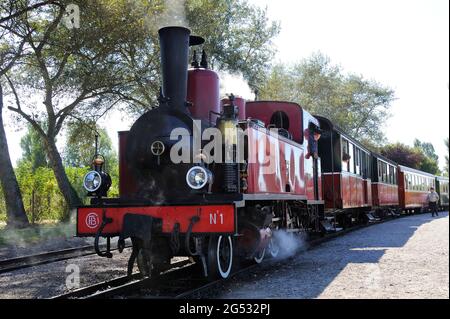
(216, 180)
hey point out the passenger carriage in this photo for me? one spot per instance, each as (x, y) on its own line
(413, 188)
(346, 174)
(385, 194)
(442, 186)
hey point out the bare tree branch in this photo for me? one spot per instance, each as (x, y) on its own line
(19, 110)
(27, 9)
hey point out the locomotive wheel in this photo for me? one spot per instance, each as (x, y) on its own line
(274, 248)
(220, 257)
(259, 256)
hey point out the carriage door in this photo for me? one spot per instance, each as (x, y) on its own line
(313, 149)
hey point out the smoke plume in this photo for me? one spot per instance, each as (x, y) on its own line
(289, 243)
(174, 14)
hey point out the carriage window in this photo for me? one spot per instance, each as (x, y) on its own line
(364, 164)
(391, 174)
(345, 155)
(357, 161)
(351, 162)
(395, 176)
(388, 177)
(368, 166)
(380, 174)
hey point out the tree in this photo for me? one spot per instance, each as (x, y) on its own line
(403, 155)
(67, 68)
(430, 163)
(15, 212)
(33, 150)
(10, 52)
(358, 106)
(112, 58)
(238, 36)
(427, 149)
(12, 9)
(80, 145)
(414, 157)
(238, 39)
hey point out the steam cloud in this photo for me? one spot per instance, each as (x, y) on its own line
(289, 243)
(174, 14)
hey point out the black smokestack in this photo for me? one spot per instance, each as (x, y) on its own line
(174, 43)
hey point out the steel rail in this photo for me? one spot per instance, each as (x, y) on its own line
(179, 283)
(12, 264)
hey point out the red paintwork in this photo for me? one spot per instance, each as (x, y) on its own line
(368, 194)
(385, 195)
(241, 105)
(293, 152)
(350, 191)
(127, 185)
(409, 198)
(169, 214)
(414, 199)
(203, 93)
(264, 111)
(268, 173)
(269, 157)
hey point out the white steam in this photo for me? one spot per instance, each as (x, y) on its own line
(171, 13)
(289, 243)
(236, 84)
(174, 14)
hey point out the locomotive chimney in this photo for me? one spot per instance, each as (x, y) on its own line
(174, 62)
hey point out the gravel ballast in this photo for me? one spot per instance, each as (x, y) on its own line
(404, 258)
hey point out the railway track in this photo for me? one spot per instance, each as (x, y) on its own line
(180, 282)
(12, 264)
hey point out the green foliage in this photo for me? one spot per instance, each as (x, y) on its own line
(403, 154)
(33, 149)
(41, 196)
(3, 217)
(358, 106)
(427, 149)
(430, 163)
(238, 35)
(80, 145)
(415, 157)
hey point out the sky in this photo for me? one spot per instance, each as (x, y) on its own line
(403, 44)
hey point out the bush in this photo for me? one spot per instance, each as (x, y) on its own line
(42, 198)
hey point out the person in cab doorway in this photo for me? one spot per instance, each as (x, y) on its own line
(432, 200)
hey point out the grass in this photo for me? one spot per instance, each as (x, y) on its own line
(36, 233)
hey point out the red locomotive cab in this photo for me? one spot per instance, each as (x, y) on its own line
(203, 93)
(240, 103)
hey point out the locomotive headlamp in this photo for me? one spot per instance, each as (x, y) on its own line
(198, 177)
(92, 181)
(98, 161)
